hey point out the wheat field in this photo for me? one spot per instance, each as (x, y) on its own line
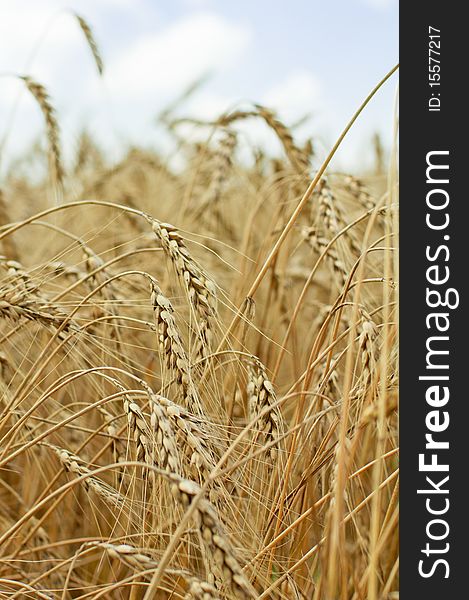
(198, 371)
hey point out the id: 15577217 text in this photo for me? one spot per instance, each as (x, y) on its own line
(434, 69)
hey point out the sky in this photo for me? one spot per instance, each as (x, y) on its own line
(301, 57)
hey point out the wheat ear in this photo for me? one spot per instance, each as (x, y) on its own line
(261, 395)
(93, 46)
(74, 464)
(171, 346)
(39, 93)
(200, 288)
(217, 542)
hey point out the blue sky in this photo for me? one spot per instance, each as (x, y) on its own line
(298, 56)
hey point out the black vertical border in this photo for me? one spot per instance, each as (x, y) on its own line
(422, 131)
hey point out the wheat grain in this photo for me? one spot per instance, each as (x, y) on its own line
(166, 446)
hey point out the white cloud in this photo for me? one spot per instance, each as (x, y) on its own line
(380, 4)
(167, 61)
(157, 67)
(208, 105)
(196, 3)
(298, 95)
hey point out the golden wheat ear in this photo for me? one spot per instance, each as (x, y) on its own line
(39, 93)
(91, 41)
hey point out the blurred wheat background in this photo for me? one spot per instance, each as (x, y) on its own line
(198, 365)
